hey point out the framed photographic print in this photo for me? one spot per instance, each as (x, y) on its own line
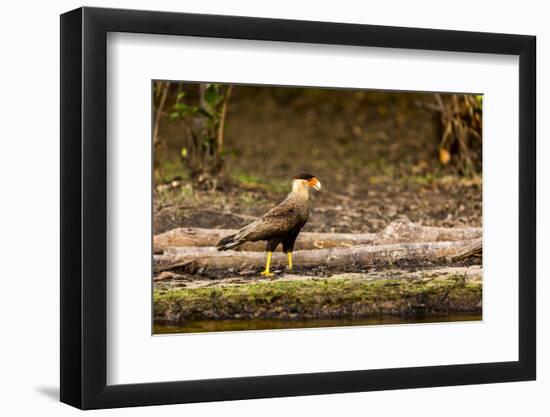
(256, 208)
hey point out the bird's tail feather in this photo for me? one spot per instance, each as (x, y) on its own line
(233, 241)
(228, 242)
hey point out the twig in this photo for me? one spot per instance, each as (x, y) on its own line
(164, 86)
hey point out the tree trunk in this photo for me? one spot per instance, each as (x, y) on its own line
(208, 258)
(401, 231)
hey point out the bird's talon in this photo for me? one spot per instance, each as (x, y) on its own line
(266, 274)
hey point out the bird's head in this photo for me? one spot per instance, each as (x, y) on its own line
(305, 182)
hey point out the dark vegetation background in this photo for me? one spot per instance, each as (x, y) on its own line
(225, 154)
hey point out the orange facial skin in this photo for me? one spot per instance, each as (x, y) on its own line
(314, 183)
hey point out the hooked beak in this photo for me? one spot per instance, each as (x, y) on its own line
(315, 183)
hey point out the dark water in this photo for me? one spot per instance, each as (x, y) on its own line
(202, 326)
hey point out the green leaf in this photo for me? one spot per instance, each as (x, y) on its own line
(184, 152)
(180, 95)
(479, 99)
(211, 96)
(181, 107)
(174, 115)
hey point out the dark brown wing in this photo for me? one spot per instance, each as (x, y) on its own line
(278, 221)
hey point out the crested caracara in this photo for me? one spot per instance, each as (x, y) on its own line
(281, 224)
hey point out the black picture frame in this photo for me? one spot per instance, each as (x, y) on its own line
(84, 207)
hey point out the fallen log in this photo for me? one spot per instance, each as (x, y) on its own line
(400, 231)
(208, 258)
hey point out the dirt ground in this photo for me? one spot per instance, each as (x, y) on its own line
(375, 154)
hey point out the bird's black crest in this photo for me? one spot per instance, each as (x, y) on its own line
(303, 176)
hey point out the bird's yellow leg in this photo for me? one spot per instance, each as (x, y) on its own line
(266, 272)
(289, 254)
